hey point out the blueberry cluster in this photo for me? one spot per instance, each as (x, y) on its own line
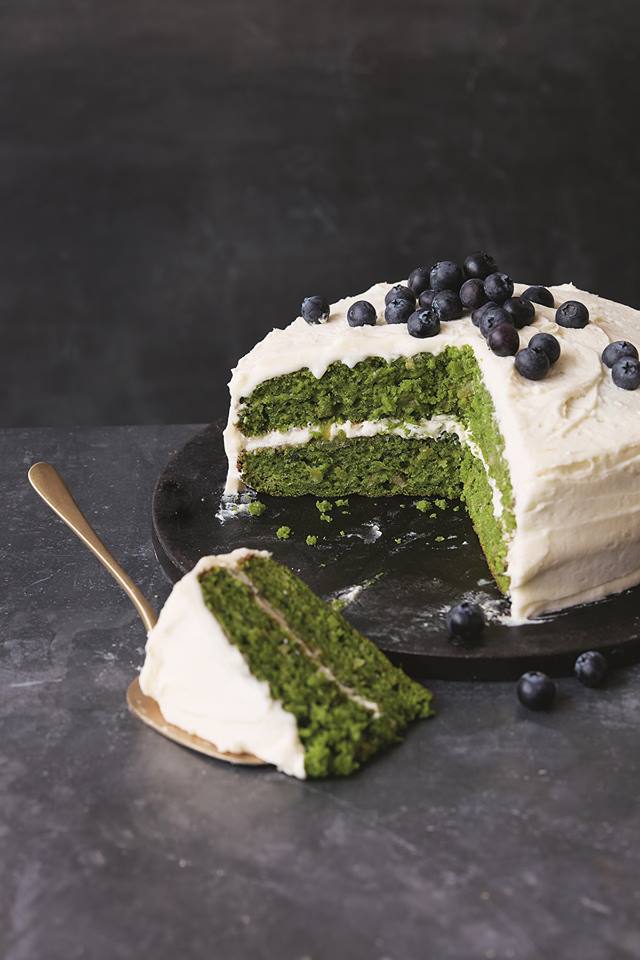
(444, 292)
(622, 359)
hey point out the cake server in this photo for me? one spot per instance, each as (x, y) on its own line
(46, 481)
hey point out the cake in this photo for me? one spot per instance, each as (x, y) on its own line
(244, 655)
(549, 469)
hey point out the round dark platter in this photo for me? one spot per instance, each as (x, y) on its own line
(398, 569)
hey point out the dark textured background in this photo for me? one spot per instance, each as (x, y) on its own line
(175, 176)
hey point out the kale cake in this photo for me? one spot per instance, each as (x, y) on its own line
(540, 438)
(246, 656)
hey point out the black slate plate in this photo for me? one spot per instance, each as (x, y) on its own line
(407, 567)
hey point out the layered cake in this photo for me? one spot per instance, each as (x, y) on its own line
(245, 656)
(401, 390)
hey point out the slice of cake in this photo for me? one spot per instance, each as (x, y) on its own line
(549, 468)
(246, 656)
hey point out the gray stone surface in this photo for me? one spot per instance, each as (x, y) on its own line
(490, 833)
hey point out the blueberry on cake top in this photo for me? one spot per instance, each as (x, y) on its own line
(246, 656)
(532, 429)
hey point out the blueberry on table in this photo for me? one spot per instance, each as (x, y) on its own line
(315, 309)
(492, 317)
(498, 287)
(398, 311)
(572, 314)
(472, 294)
(536, 690)
(423, 323)
(540, 295)
(446, 275)
(617, 351)
(532, 364)
(466, 621)
(479, 313)
(418, 280)
(400, 292)
(426, 298)
(591, 668)
(521, 311)
(361, 314)
(504, 340)
(547, 343)
(479, 265)
(625, 373)
(446, 305)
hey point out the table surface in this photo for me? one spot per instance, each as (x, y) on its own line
(490, 833)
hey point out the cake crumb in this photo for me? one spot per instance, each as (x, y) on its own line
(326, 518)
(441, 504)
(422, 505)
(342, 503)
(283, 533)
(324, 506)
(439, 539)
(311, 540)
(432, 516)
(257, 508)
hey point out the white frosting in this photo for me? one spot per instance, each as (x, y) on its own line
(203, 685)
(572, 440)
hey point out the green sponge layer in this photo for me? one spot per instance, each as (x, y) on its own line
(385, 465)
(320, 668)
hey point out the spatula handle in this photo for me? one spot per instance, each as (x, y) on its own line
(46, 480)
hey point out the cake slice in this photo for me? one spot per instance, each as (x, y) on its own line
(246, 656)
(549, 469)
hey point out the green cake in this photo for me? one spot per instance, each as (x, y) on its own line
(246, 656)
(547, 463)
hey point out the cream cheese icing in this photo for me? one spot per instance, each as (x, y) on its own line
(203, 685)
(572, 440)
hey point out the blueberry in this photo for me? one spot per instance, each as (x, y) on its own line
(498, 287)
(398, 311)
(573, 314)
(478, 314)
(400, 292)
(472, 294)
(466, 621)
(361, 314)
(521, 311)
(591, 668)
(315, 309)
(423, 323)
(493, 317)
(539, 295)
(418, 280)
(479, 265)
(547, 343)
(626, 373)
(618, 350)
(536, 690)
(426, 298)
(532, 364)
(446, 275)
(446, 305)
(503, 340)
